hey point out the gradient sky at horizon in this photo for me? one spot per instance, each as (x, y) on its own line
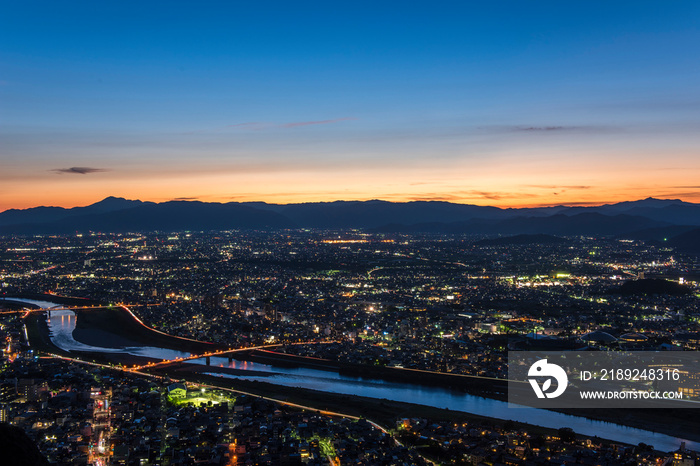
(500, 103)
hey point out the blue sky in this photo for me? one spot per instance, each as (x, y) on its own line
(501, 103)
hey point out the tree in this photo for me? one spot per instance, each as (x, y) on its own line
(567, 434)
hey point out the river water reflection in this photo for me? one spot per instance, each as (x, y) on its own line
(62, 324)
(443, 398)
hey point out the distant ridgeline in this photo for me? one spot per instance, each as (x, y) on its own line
(674, 222)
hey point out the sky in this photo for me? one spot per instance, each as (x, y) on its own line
(505, 103)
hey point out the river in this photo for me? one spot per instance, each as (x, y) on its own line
(62, 324)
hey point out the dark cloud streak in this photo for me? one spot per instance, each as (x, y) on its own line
(78, 170)
(550, 129)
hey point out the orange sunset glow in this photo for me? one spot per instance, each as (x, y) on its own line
(477, 108)
(510, 183)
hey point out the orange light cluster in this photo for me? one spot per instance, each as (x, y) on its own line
(344, 241)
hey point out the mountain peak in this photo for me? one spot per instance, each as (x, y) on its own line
(117, 213)
(114, 199)
(109, 204)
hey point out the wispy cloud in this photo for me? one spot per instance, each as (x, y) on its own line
(572, 204)
(496, 195)
(584, 129)
(549, 129)
(320, 122)
(436, 197)
(247, 196)
(557, 189)
(678, 194)
(674, 103)
(78, 170)
(459, 196)
(554, 186)
(258, 125)
(544, 128)
(471, 194)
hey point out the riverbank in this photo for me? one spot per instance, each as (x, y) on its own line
(96, 327)
(116, 327)
(38, 334)
(682, 424)
(479, 386)
(382, 411)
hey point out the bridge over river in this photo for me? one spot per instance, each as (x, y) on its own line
(63, 321)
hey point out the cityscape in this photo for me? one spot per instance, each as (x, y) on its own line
(329, 346)
(350, 233)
